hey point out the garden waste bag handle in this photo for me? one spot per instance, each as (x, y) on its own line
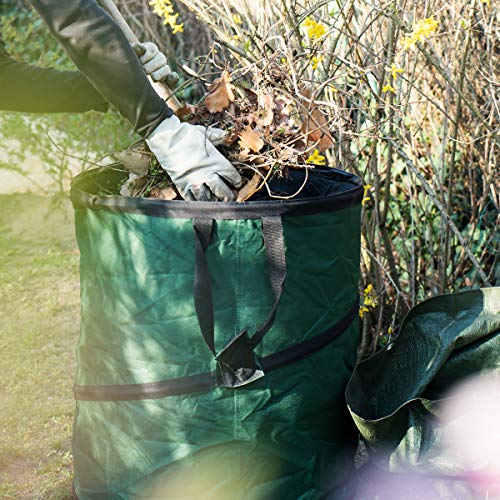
(237, 363)
(164, 90)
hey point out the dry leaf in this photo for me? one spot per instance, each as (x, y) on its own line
(168, 193)
(249, 188)
(266, 103)
(252, 118)
(315, 125)
(232, 137)
(316, 129)
(220, 93)
(251, 140)
(136, 162)
(186, 112)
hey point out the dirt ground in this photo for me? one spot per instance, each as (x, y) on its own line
(39, 311)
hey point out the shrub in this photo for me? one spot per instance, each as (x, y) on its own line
(410, 95)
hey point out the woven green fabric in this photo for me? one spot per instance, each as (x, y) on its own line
(287, 435)
(396, 396)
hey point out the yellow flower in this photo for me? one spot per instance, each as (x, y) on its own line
(165, 9)
(237, 38)
(420, 31)
(370, 300)
(388, 88)
(390, 330)
(178, 28)
(365, 193)
(315, 60)
(314, 30)
(394, 70)
(237, 19)
(316, 158)
(425, 27)
(362, 311)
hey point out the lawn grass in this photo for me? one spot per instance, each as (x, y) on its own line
(39, 323)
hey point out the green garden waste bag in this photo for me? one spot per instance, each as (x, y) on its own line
(217, 340)
(398, 399)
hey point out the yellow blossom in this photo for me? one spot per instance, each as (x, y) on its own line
(316, 158)
(237, 19)
(365, 194)
(315, 60)
(370, 300)
(362, 311)
(390, 330)
(388, 88)
(314, 29)
(165, 9)
(394, 70)
(420, 31)
(178, 28)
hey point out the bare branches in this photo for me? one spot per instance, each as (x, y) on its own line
(410, 95)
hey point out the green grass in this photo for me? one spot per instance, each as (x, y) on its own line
(39, 322)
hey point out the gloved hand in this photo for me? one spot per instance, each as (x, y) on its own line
(153, 61)
(195, 166)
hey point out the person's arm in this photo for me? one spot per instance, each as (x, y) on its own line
(101, 52)
(30, 89)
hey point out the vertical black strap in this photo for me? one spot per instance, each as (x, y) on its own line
(203, 303)
(274, 242)
(272, 230)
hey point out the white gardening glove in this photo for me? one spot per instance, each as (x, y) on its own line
(195, 166)
(153, 61)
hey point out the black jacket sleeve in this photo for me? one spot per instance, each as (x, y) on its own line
(101, 52)
(35, 90)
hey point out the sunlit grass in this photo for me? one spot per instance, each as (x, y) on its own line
(39, 307)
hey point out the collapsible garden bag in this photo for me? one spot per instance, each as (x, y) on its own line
(217, 340)
(397, 398)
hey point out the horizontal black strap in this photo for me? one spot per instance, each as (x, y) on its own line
(152, 390)
(310, 346)
(206, 381)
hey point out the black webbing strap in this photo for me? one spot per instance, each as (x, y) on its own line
(204, 382)
(272, 231)
(307, 347)
(274, 243)
(203, 303)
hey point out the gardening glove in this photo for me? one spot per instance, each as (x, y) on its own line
(154, 62)
(195, 166)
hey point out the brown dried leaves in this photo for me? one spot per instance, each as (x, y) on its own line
(268, 131)
(249, 188)
(314, 124)
(266, 106)
(250, 140)
(220, 93)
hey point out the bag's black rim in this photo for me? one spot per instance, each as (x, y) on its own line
(213, 210)
(204, 382)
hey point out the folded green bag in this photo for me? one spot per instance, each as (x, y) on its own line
(396, 397)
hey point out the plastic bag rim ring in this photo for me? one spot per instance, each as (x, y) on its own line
(83, 198)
